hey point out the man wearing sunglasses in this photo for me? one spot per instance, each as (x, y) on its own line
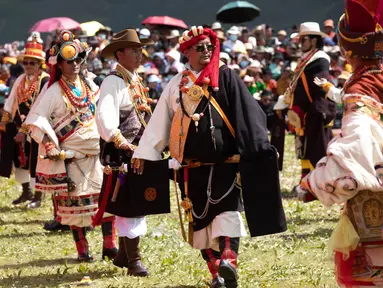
(18, 149)
(311, 113)
(215, 129)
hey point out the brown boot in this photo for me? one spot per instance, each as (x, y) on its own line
(26, 194)
(121, 260)
(135, 267)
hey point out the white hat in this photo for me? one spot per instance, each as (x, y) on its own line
(249, 46)
(154, 79)
(234, 30)
(224, 55)
(144, 33)
(35, 35)
(311, 28)
(174, 54)
(293, 35)
(248, 78)
(216, 26)
(255, 64)
(173, 34)
(281, 104)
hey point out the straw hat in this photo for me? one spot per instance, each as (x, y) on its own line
(124, 39)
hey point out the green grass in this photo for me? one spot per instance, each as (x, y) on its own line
(32, 257)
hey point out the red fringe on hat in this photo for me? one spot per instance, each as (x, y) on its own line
(211, 70)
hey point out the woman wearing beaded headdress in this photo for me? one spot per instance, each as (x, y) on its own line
(352, 172)
(18, 149)
(63, 123)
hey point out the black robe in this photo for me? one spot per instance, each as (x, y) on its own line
(10, 154)
(258, 165)
(320, 112)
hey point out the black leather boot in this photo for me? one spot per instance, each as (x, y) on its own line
(54, 226)
(25, 196)
(36, 201)
(135, 267)
(228, 273)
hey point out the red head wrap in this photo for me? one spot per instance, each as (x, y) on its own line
(193, 36)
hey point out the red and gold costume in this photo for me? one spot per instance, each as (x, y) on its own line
(352, 172)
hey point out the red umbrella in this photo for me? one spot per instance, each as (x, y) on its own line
(166, 21)
(51, 24)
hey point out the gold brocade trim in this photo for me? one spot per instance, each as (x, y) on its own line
(180, 127)
(361, 40)
(6, 118)
(326, 87)
(118, 139)
(143, 97)
(24, 129)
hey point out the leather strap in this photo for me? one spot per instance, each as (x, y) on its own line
(183, 232)
(304, 80)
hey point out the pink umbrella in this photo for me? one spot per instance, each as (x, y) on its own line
(165, 21)
(51, 24)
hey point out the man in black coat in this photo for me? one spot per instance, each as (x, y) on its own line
(311, 113)
(211, 119)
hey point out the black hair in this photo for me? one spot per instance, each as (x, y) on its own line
(16, 70)
(320, 43)
(266, 70)
(118, 50)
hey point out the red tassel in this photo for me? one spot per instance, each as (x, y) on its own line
(52, 75)
(97, 220)
(22, 156)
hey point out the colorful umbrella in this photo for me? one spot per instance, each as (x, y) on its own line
(164, 21)
(237, 12)
(51, 24)
(90, 28)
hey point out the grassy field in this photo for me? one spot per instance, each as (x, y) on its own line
(32, 257)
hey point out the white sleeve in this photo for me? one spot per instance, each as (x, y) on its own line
(39, 118)
(9, 102)
(334, 94)
(108, 108)
(157, 132)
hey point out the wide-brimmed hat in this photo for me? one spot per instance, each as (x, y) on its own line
(124, 39)
(234, 30)
(311, 28)
(33, 49)
(173, 34)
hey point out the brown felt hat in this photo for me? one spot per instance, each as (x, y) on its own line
(124, 39)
